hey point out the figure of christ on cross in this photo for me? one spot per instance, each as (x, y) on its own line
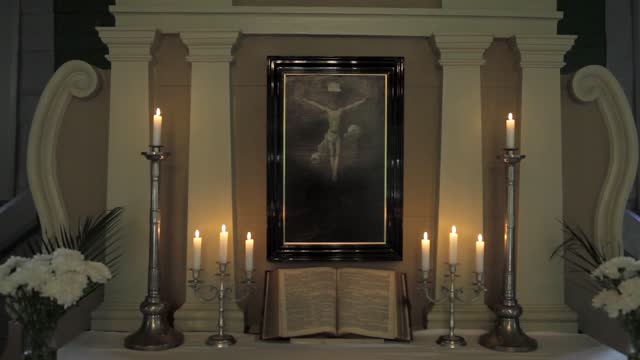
(332, 139)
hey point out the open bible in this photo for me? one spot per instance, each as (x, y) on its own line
(336, 302)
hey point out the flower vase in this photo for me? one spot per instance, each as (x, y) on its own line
(631, 323)
(38, 342)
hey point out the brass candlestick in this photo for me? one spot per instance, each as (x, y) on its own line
(507, 335)
(155, 332)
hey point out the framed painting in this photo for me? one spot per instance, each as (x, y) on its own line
(334, 158)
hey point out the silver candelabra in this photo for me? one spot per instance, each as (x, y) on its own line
(218, 292)
(452, 294)
(155, 332)
(507, 335)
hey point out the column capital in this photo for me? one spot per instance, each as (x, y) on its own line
(128, 44)
(210, 45)
(462, 49)
(543, 51)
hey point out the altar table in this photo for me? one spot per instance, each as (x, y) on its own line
(556, 346)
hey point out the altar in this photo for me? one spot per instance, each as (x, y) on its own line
(446, 76)
(553, 346)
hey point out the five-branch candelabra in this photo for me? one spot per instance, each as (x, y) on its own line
(452, 294)
(218, 292)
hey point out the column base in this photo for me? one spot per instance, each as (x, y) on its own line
(204, 317)
(558, 318)
(121, 317)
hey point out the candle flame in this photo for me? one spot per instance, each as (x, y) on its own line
(480, 237)
(453, 229)
(249, 235)
(197, 233)
(224, 228)
(158, 111)
(425, 236)
(510, 116)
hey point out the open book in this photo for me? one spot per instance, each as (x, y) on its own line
(336, 302)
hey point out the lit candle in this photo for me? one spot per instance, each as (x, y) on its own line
(479, 254)
(453, 246)
(426, 248)
(248, 253)
(224, 238)
(511, 132)
(157, 128)
(197, 250)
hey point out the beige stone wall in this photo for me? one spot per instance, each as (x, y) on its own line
(345, 3)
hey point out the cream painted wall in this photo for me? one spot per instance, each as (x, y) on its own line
(354, 3)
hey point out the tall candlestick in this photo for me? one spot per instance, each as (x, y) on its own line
(426, 249)
(248, 253)
(224, 238)
(453, 246)
(197, 250)
(479, 254)
(511, 132)
(157, 128)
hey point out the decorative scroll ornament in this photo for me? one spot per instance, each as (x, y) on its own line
(73, 79)
(596, 83)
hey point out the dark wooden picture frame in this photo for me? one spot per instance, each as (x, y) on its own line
(334, 158)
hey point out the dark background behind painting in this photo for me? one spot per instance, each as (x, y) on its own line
(350, 209)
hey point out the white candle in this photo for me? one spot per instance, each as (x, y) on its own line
(426, 249)
(479, 254)
(248, 253)
(197, 251)
(224, 238)
(453, 246)
(511, 132)
(157, 128)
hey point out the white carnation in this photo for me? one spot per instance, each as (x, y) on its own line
(97, 272)
(8, 286)
(10, 265)
(34, 274)
(630, 290)
(65, 260)
(610, 301)
(622, 267)
(65, 288)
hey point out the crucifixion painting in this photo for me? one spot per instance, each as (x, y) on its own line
(335, 157)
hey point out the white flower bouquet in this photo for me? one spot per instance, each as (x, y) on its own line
(618, 281)
(60, 272)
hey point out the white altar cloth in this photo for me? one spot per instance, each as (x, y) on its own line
(556, 346)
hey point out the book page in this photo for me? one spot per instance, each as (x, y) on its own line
(367, 303)
(307, 301)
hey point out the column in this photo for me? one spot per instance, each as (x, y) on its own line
(210, 170)
(460, 193)
(128, 173)
(539, 281)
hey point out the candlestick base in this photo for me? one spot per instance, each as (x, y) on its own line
(155, 333)
(451, 341)
(507, 335)
(221, 341)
